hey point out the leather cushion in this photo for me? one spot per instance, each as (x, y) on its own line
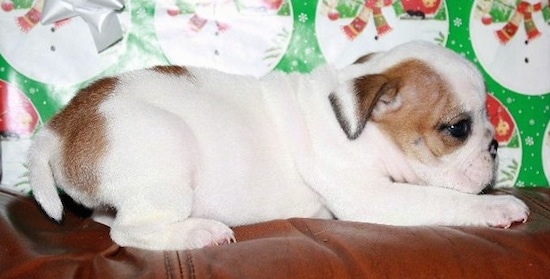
(33, 246)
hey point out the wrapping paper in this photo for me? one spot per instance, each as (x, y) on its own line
(43, 64)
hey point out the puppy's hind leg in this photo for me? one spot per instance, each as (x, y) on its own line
(149, 179)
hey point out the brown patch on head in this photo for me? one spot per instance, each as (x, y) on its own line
(82, 130)
(428, 123)
(172, 70)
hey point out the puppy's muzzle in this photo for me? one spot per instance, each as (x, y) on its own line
(493, 148)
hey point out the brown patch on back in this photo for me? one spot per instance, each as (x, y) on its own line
(427, 104)
(82, 130)
(172, 70)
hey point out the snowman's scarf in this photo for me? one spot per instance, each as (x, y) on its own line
(27, 21)
(524, 12)
(374, 7)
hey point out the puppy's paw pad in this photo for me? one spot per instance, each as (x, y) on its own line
(504, 210)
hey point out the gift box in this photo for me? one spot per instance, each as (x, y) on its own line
(51, 48)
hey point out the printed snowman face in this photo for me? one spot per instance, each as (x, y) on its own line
(348, 30)
(511, 43)
(63, 53)
(242, 37)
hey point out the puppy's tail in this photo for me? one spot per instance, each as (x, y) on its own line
(40, 173)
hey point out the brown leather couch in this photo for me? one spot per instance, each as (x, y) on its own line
(33, 246)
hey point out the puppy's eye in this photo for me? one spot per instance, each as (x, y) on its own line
(460, 130)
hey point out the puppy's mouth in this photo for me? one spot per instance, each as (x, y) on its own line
(481, 178)
(471, 173)
(480, 170)
(488, 189)
(493, 151)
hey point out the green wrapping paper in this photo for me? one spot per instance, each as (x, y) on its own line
(42, 65)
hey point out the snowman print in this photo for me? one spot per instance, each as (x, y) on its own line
(18, 116)
(509, 144)
(511, 39)
(348, 29)
(62, 53)
(242, 37)
(18, 121)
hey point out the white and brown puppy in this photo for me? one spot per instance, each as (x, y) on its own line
(401, 137)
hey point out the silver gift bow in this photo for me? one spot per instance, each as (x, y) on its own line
(100, 15)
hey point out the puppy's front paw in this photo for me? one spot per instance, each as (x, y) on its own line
(204, 232)
(502, 211)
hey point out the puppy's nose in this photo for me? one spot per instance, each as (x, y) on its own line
(493, 147)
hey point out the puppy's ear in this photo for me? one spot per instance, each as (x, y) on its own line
(365, 58)
(388, 100)
(364, 97)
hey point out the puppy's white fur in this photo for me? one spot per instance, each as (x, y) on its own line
(189, 153)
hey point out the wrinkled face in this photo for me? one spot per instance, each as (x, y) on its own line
(430, 102)
(441, 125)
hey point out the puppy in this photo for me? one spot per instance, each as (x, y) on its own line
(400, 137)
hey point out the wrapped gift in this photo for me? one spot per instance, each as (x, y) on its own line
(50, 48)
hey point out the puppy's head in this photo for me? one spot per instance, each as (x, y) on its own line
(430, 103)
